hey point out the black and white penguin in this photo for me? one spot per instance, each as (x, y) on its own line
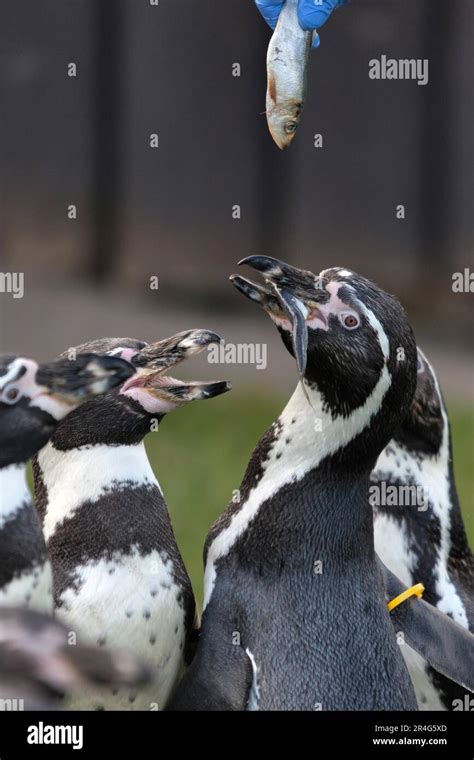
(419, 530)
(39, 663)
(118, 575)
(295, 614)
(33, 398)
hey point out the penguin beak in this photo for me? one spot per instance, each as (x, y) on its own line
(69, 382)
(290, 297)
(155, 360)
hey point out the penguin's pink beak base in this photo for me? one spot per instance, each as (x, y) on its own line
(165, 392)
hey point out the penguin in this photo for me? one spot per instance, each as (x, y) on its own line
(33, 398)
(39, 664)
(295, 615)
(118, 575)
(422, 537)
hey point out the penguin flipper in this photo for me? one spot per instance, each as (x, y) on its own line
(220, 680)
(446, 645)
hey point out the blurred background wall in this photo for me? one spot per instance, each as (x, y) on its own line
(167, 69)
(167, 211)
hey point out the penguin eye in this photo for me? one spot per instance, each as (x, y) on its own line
(11, 395)
(349, 320)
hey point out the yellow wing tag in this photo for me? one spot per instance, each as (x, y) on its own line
(416, 590)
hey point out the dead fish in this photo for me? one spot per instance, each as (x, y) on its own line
(287, 60)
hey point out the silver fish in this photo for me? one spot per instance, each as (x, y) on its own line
(287, 59)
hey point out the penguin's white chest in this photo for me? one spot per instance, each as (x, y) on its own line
(31, 589)
(392, 544)
(130, 602)
(14, 492)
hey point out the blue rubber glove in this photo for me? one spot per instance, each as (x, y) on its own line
(312, 14)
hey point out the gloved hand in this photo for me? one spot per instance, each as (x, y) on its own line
(311, 14)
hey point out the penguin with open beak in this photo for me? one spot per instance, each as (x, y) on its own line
(158, 392)
(295, 614)
(118, 575)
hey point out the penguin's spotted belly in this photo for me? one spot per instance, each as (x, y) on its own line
(148, 618)
(118, 578)
(31, 589)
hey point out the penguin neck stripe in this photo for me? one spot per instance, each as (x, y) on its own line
(289, 462)
(376, 325)
(85, 474)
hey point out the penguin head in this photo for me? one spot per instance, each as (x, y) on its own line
(35, 397)
(423, 428)
(126, 414)
(352, 342)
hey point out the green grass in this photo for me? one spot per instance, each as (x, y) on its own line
(200, 454)
(462, 430)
